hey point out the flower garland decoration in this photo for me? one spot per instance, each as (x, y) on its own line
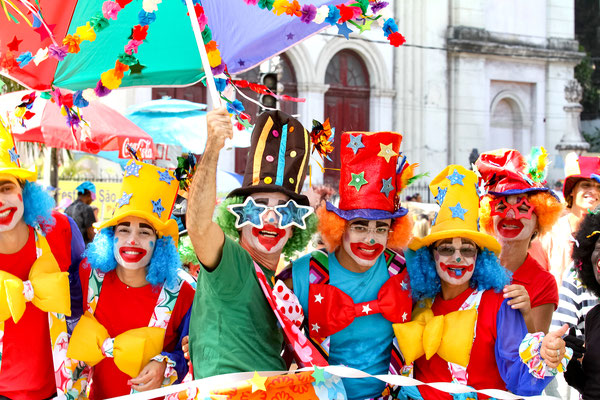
(186, 166)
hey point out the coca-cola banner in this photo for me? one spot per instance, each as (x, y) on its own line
(145, 146)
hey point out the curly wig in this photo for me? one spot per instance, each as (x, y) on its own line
(425, 282)
(547, 209)
(296, 243)
(331, 227)
(37, 207)
(582, 253)
(162, 268)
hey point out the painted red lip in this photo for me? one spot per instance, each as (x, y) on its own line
(509, 232)
(456, 271)
(132, 258)
(365, 251)
(9, 217)
(269, 235)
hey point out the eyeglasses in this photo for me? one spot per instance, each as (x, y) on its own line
(447, 251)
(521, 209)
(363, 230)
(252, 213)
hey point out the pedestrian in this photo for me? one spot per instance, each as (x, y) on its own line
(81, 211)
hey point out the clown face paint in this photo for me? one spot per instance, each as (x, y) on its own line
(455, 260)
(269, 239)
(510, 225)
(365, 240)
(11, 202)
(134, 243)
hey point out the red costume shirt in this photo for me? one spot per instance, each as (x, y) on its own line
(27, 366)
(121, 308)
(540, 284)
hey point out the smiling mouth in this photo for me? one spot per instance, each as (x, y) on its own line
(510, 228)
(132, 254)
(6, 215)
(456, 271)
(365, 251)
(269, 235)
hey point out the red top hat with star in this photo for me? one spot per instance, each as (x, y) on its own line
(370, 178)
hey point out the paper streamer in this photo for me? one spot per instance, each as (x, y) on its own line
(206, 385)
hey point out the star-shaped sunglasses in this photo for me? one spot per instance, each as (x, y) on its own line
(251, 213)
(521, 209)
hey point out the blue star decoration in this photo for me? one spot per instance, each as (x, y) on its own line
(458, 211)
(241, 62)
(157, 207)
(355, 143)
(290, 36)
(133, 169)
(344, 30)
(293, 214)
(434, 219)
(456, 178)
(441, 195)
(124, 199)
(386, 186)
(165, 176)
(247, 213)
(14, 157)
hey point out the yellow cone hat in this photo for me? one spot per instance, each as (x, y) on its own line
(455, 190)
(148, 192)
(9, 159)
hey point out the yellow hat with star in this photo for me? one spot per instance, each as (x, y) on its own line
(455, 190)
(9, 158)
(148, 192)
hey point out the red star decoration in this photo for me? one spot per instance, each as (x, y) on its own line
(43, 32)
(14, 45)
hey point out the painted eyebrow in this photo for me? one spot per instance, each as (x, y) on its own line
(262, 200)
(361, 223)
(380, 224)
(445, 241)
(6, 182)
(124, 224)
(143, 225)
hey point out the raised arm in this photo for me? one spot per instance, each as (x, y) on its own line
(206, 236)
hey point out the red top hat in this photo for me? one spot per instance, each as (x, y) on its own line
(579, 168)
(505, 172)
(370, 176)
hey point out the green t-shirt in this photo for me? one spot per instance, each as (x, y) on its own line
(232, 327)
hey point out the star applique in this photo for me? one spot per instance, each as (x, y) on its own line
(293, 214)
(366, 26)
(404, 285)
(290, 36)
(456, 178)
(241, 62)
(124, 199)
(366, 309)
(247, 213)
(14, 157)
(14, 44)
(318, 375)
(258, 382)
(458, 211)
(318, 298)
(355, 143)
(157, 207)
(316, 327)
(358, 180)
(386, 151)
(133, 169)
(387, 186)
(441, 195)
(165, 176)
(136, 69)
(344, 30)
(404, 317)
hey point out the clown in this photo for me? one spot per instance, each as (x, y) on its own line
(359, 271)
(463, 329)
(41, 295)
(233, 325)
(515, 210)
(134, 301)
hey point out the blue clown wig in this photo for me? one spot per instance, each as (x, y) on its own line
(162, 268)
(425, 282)
(38, 205)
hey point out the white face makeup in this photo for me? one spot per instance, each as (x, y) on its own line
(513, 226)
(586, 194)
(269, 239)
(455, 260)
(134, 243)
(365, 240)
(11, 202)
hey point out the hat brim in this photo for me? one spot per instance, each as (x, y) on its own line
(168, 228)
(246, 191)
(365, 213)
(22, 173)
(571, 181)
(482, 240)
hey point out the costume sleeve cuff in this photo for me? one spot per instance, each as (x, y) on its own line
(529, 350)
(170, 371)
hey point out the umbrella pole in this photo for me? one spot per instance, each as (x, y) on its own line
(54, 171)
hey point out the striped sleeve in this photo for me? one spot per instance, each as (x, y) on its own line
(574, 303)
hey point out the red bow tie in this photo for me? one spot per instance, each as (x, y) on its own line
(330, 310)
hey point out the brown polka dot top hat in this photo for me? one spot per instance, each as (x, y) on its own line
(278, 158)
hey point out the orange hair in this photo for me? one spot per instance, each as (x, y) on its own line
(331, 227)
(547, 209)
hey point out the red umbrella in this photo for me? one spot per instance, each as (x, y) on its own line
(101, 128)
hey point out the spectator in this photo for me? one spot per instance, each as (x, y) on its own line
(422, 226)
(81, 211)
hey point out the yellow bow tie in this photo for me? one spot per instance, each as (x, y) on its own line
(131, 350)
(450, 336)
(47, 288)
